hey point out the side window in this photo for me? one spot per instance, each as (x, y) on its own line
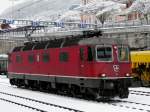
(31, 58)
(63, 56)
(81, 54)
(18, 59)
(90, 54)
(123, 53)
(45, 57)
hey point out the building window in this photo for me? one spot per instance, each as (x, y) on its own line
(31, 58)
(45, 57)
(63, 57)
(18, 59)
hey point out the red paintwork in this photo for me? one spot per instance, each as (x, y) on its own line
(74, 66)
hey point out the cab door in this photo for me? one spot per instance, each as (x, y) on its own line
(82, 61)
(86, 60)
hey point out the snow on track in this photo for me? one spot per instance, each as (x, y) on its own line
(36, 104)
(78, 104)
(10, 107)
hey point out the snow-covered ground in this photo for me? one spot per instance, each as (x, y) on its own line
(141, 103)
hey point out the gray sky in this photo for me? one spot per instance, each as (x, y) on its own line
(4, 4)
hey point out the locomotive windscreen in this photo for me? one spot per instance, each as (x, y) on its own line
(123, 53)
(104, 53)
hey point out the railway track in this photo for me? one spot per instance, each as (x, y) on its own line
(122, 104)
(130, 105)
(22, 105)
(143, 93)
(36, 104)
(117, 103)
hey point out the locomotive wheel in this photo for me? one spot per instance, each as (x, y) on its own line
(72, 92)
(12, 81)
(26, 84)
(42, 86)
(123, 93)
(19, 83)
(75, 91)
(93, 94)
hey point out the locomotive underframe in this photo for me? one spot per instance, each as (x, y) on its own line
(97, 87)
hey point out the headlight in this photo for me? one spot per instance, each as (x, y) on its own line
(103, 75)
(127, 74)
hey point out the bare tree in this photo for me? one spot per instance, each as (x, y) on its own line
(102, 17)
(102, 9)
(142, 7)
(104, 14)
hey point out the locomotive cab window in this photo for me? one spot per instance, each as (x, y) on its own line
(63, 56)
(104, 53)
(123, 53)
(18, 59)
(45, 57)
(31, 58)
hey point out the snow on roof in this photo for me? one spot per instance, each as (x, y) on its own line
(70, 15)
(99, 5)
(140, 6)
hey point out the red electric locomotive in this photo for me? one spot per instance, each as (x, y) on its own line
(79, 65)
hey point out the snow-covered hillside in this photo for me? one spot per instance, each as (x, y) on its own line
(39, 9)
